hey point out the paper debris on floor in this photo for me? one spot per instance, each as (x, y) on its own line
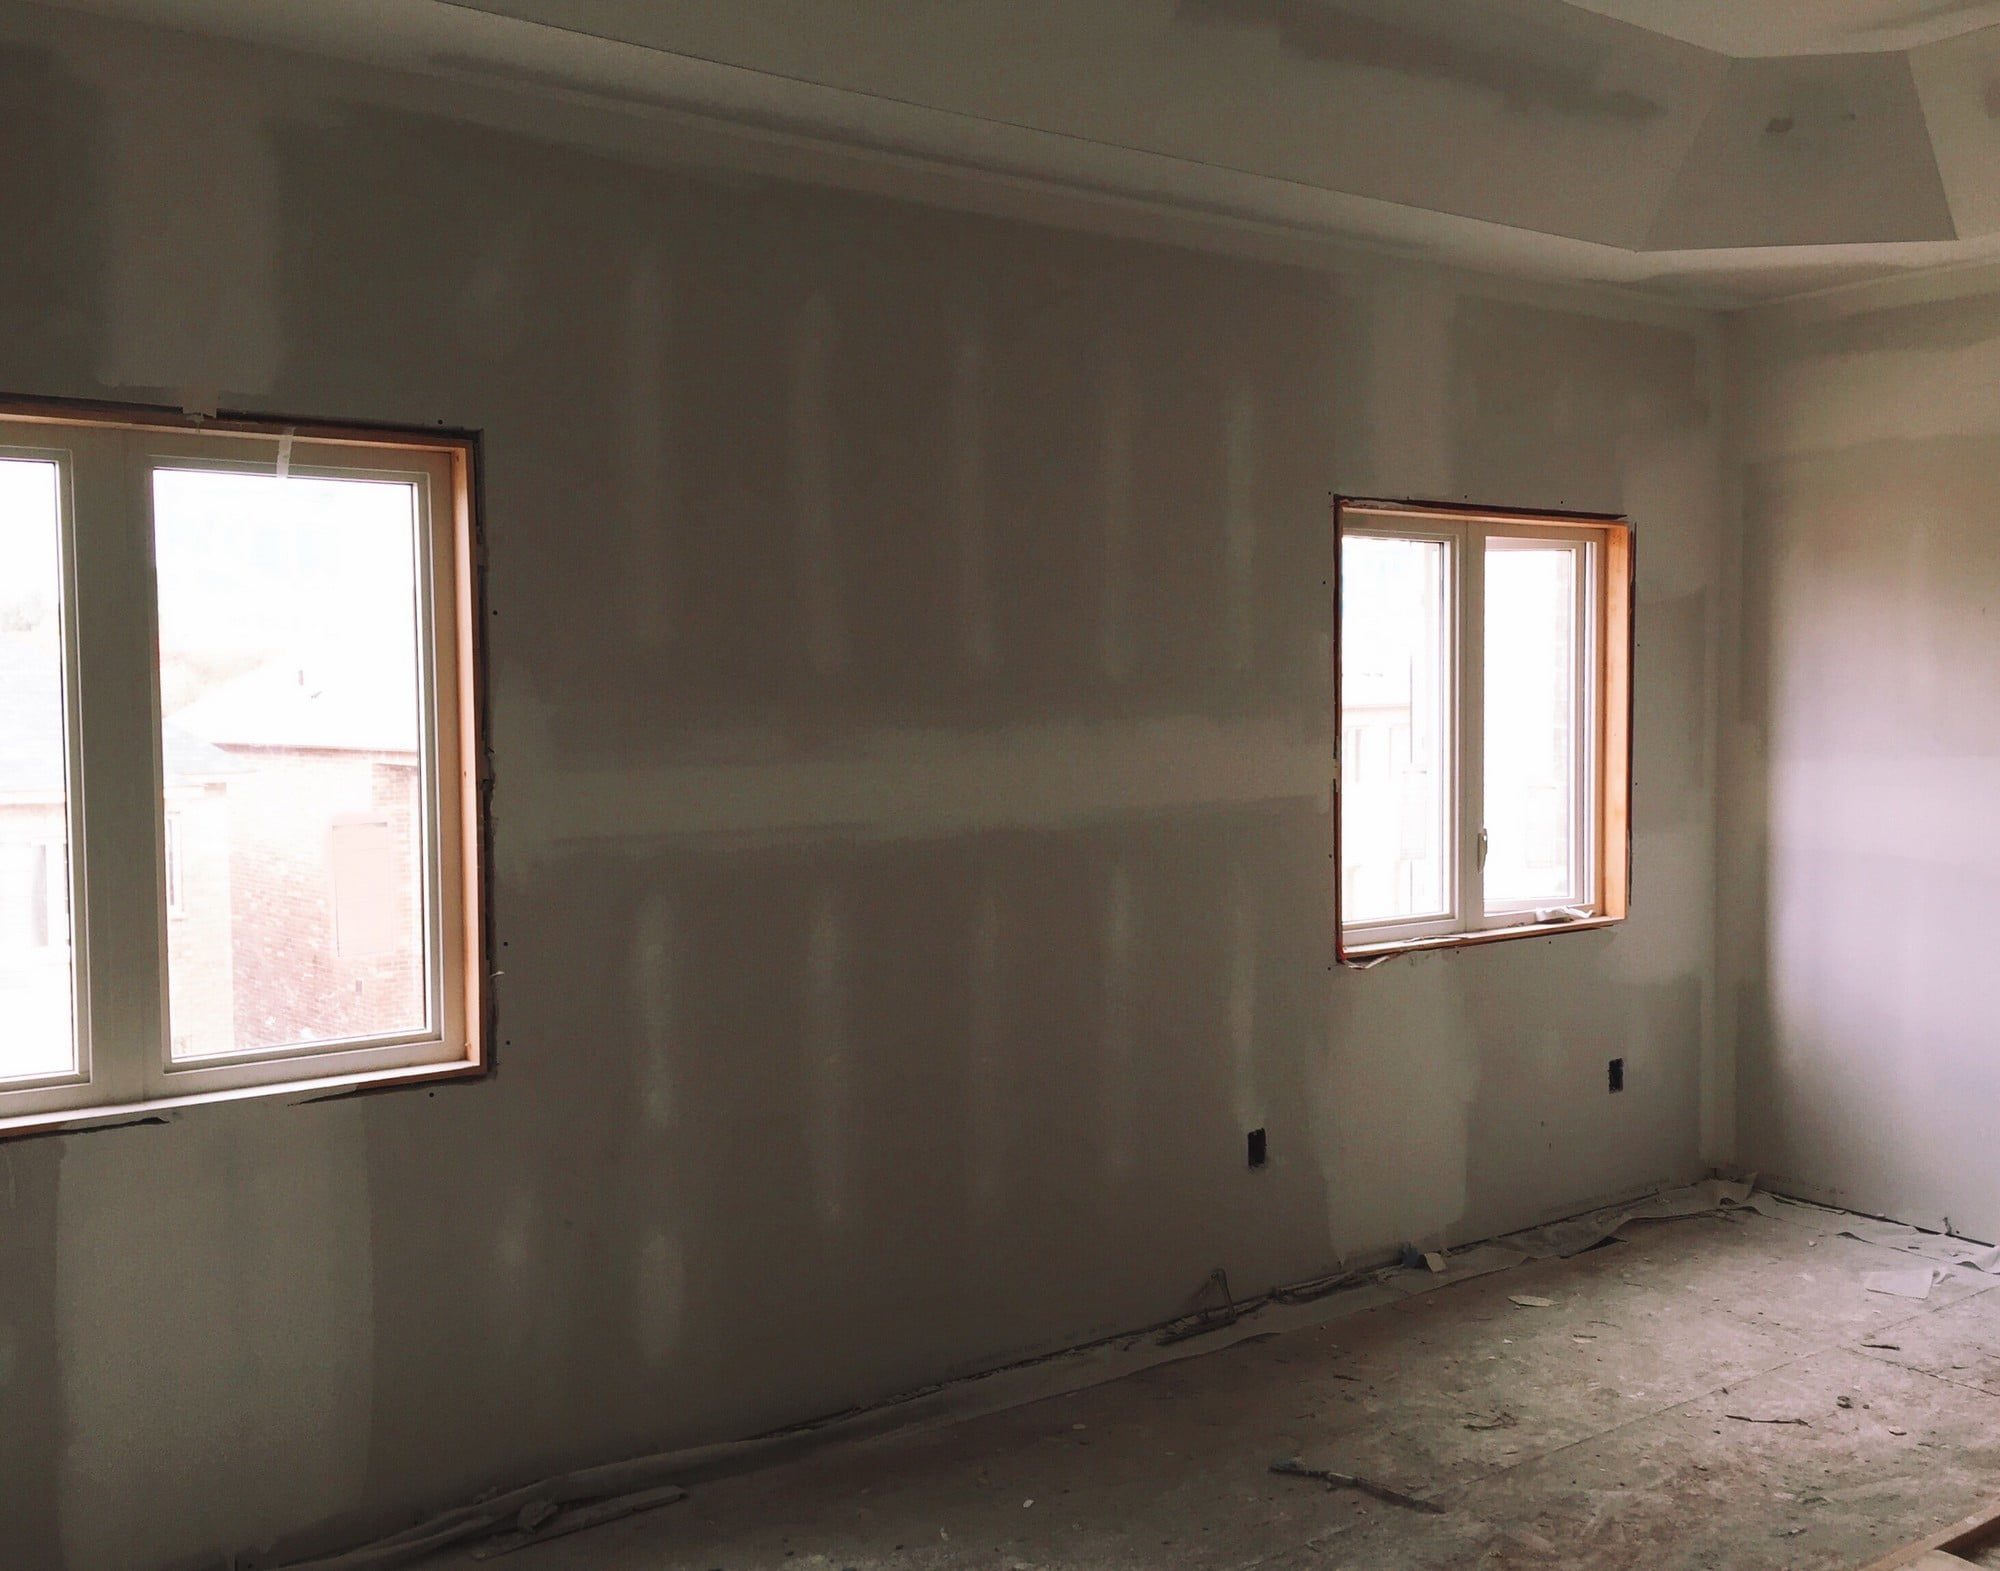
(1711, 1194)
(1782, 1208)
(1560, 1240)
(1913, 1283)
(1480, 1260)
(1531, 1301)
(1941, 1247)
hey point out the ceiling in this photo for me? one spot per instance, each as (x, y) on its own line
(1726, 151)
(1749, 28)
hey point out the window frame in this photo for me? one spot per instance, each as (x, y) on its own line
(118, 807)
(1601, 840)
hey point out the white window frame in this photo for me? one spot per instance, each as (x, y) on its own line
(1600, 787)
(1585, 717)
(116, 799)
(1452, 743)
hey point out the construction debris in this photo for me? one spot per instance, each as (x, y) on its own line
(1292, 1467)
(1904, 1284)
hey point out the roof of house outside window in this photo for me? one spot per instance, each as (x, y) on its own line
(31, 727)
(358, 698)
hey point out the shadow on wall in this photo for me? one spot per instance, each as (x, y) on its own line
(52, 268)
(31, 1411)
(1550, 407)
(806, 1102)
(51, 272)
(822, 463)
(1865, 706)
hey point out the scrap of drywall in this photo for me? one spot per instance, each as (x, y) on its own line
(1916, 1283)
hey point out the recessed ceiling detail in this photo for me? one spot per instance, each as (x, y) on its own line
(1578, 118)
(1754, 28)
(1827, 150)
(1800, 142)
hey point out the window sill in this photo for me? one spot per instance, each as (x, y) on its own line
(160, 1110)
(1362, 955)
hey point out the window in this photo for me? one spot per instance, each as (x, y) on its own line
(1483, 687)
(239, 815)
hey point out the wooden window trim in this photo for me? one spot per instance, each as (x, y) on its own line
(458, 594)
(1617, 634)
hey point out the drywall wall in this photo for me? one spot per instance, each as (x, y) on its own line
(1864, 750)
(908, 644)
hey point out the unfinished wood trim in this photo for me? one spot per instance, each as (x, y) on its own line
(1617, 632)
(1483, 935)
(1339, 763)
(159, 1110)
(1463, 513)
(1616, 637)
(1972, 1532)
(17, 409)
(474, 827)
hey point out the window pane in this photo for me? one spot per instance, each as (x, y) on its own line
(1395, 744)
(37, 972)
(1533, 666)
(290, 688)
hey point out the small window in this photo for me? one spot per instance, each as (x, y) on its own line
(239, 830)
(1483, 686)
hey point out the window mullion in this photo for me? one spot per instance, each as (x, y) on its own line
(117, 704)
(1471, 678)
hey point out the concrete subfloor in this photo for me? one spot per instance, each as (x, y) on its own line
(1718, 1392)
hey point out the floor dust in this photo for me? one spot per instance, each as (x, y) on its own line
(1616, 1448)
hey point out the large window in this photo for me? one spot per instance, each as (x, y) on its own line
(1483, 688)
(238, 798)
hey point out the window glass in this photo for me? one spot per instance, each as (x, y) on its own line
(291, 696)
(1395, 738)
(1532, 736)
(37, 965)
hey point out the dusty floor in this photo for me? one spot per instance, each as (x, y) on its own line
(1717, 1392)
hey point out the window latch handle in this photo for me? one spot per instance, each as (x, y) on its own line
(1482, 849)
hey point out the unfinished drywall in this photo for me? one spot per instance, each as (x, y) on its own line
(1863, 750)
(1584, 121)
(909, 644)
